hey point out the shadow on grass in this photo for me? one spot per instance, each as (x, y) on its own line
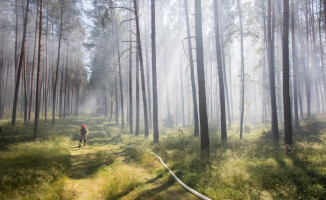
(150, 193)
(294, 173)
(86, 165)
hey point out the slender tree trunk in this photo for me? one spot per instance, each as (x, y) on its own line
(131, 128)
(220, 73)
(148, 75)
(14, 110)
(270, 57)
(192, 69)
(182, 96)
(25, 87)
(295, 71)
(286, 76)
(306, 70)
(321, 48)
(57, 69)
(46, 67)
(38, 79)
(141, 69)
(116, 102)
(201, 79)
(33, 66)
(154, 78)
(16, 38)
(137, 94)
(120, 75)
(242, 71)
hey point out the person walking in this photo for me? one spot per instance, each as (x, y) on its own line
(83, 135)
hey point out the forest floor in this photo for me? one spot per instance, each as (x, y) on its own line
(51, 166)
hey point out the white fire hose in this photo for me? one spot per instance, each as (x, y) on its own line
(192, 191)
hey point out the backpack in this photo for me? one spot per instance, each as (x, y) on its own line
(83, 130)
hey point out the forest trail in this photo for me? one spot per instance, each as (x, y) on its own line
(105, 170)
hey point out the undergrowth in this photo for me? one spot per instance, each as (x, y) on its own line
(36, 167)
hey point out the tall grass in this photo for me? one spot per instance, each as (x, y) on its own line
(34, 170)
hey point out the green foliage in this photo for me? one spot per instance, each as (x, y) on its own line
(252, 168)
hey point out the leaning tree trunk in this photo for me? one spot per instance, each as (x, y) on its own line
(154, 78)
(286, 76)
(220, 73)
(141, 69)
(201, 79)
(38, 78)
(193, 82)
(14, 110)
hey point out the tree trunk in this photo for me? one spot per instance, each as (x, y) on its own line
(46, 67)
(38, 79)
(201, 79)
(295, 71)
(270, 57)
(25, 87)
(306, 69)
(33, 66)
(182, 97)
(57, 69)
(116, 102)
(220, 73)
(242, 71)
(14, 110)
(130, 86)
(148, 75)
(192, 70)
(141, 69)
(137, 93)
(120, 75)
(286, 76)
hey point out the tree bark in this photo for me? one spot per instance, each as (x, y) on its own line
(295, 71)
(14, 110)
(220, 73)
(286, 76)
(33, 66)
(137, 94)
(242, 71)
(130, 86)
(192, 70)
(270, 57)
(154, 78)
(120, 75)
(201, 79)
(38, 79)
(140, 52)
(57, 68)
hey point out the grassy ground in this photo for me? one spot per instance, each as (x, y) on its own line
(53, 167)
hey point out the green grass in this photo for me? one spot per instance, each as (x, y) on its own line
(49, 166)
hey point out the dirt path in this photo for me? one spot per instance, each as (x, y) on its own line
(102, 165)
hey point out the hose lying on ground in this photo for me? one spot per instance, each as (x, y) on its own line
(192, 191)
